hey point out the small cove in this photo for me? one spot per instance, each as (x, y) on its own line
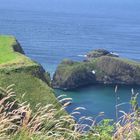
(100, 98)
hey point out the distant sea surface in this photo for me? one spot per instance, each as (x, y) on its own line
(49, 37)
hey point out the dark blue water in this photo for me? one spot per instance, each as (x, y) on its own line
(50, 36)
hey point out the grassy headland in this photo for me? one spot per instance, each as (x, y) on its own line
(28, 76)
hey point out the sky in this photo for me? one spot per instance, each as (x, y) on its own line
(72, 6)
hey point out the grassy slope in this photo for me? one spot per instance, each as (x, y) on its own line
(35, 90)
(16, 68)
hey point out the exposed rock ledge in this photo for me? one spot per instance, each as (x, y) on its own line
(102, 69)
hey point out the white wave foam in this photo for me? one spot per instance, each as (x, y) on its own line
(81, 55)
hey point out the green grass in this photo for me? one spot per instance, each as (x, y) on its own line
(6, 52)
(35, 90)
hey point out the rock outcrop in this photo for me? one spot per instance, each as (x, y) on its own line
(100, 52)
(104, 69)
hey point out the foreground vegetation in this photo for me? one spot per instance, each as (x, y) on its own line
(19, 122)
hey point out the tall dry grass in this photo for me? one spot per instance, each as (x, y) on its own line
(128, 125)
(19, 122)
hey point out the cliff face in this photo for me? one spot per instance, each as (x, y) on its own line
(104, 69)
(118, 71)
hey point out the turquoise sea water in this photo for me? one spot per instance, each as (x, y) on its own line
(49, 37)
(99, 98)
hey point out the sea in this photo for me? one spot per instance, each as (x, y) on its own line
(48, 37)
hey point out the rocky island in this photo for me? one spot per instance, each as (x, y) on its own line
(100, 67)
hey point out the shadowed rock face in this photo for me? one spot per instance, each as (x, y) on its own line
(17, 47)
(72, 76)
(101, 70)
(118, 71)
